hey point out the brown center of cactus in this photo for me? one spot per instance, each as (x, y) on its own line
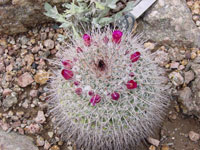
(101, 65)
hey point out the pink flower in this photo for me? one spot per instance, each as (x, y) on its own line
(135, 56)
(95, 99)
(116, 36)
(87, 40)
(67, 74)
(67, 64)
(78, 91)
(115, 96)
(131, 84)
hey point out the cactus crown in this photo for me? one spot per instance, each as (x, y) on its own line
(107, 92)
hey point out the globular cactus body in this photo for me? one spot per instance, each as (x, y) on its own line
(108, 92)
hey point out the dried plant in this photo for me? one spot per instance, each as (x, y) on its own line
(108, 92)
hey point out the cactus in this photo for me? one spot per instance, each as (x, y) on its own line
(108, 92)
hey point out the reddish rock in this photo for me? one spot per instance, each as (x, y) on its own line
(25, 80)
(7, 92)
(40, 117)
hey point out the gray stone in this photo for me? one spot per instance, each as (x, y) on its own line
(49, 44)
(19, 15)
(194, 136)
(171, 20)
(162, 58)
(176, 78)
(189, 76)
(196, 69)
(10, 100)
(190, 98)
(186, 95)
(13, 141)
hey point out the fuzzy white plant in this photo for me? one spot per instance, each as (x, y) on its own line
(108, 92)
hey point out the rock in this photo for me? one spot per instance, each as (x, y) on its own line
(2, 2)
(33, 128)
(4, 126)
(23, 40)
(13, 141)
(35, 49)
(186, 95)
(153, 141)
(41, 77)
(196, 68)
(49, 44)
(171, 21)
(2, 66)
(19, 15)
(29, 59)
(46, 145)
(7, 92)
(175, 54)
(9, 68)
(165, 147)
(33, 93)
(10, 100)
(149, 45)
(55, 147)
(189, 76)
(197, 60)
(50, 134)
(40, 141)
(40, 117)
(176, 78)
(152, 147)
(174, 65)
(25, 80)
(194, 136)
(162, 58)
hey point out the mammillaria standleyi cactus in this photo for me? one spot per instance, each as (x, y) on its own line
(108, 92)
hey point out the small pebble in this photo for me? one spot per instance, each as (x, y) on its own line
(40, 117)
(194, 136)
(165, 147)
(153, 141)
(55, 147)
(41, 77)
(40, 141)
(152, 147)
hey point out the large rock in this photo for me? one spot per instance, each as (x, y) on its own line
(190, 97)
(171, 20)
(13, 141)
(17, 16)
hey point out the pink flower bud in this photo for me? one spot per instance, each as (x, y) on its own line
(67, 64)
(116, 36)
(87, 40)
(95, 99)
(115, 96)
(131, 84)
(135, 56)
(67, 74)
